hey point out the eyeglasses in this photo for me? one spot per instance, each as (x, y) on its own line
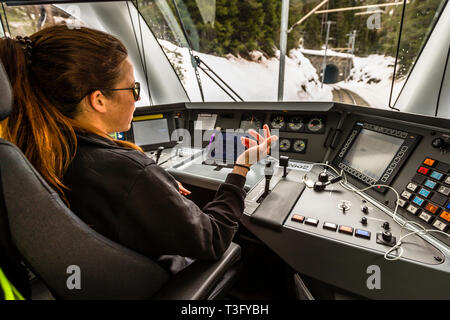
(136, 90)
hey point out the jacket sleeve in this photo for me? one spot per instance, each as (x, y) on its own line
(158, 220)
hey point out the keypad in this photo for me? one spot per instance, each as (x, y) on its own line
(427, 195)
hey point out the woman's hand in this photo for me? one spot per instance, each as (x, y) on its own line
(182, 189)
(257, 149)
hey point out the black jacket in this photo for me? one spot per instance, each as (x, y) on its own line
(125, 196)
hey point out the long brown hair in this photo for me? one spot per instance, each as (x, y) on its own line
(63, 67)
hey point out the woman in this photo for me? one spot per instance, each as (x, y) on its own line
(71, 89)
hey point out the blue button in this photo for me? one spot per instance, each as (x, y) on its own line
(424, 192)
(362, 233)
(430, 184)
(436, 175)
(418, 201)
(448, 205)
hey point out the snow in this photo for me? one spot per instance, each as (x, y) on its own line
(371, 78)
(257, 79)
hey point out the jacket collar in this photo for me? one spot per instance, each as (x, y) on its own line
(92, 138)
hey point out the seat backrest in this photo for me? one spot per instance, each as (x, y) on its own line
(60, 248)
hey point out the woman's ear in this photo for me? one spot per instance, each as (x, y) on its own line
(97, 101)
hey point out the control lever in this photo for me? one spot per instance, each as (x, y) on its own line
(320, 186)
(158, 153)
(268, 173)
(284, 162)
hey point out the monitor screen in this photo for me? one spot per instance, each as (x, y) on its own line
(149, 132)
(372, 152)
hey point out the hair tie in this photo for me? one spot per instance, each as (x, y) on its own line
(27, 46)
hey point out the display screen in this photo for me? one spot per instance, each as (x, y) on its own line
(225, 147)
(372, 152)
(149, 132)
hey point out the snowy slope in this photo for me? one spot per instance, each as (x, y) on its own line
(371, 78)
(255, 80)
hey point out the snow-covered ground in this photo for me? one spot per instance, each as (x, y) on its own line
(371, 78)
(257, 79)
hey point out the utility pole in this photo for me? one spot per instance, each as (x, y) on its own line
(324, 65)
(283, 45)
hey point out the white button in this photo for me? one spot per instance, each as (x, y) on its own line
(447, 180)
(440, 225)
(406, 195)
(411, 186)
(412, 209)
(444, 190)
(401, 203)
(425, 217)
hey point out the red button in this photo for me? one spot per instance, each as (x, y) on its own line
(423, 170)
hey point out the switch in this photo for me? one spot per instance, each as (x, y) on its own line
(365, 209)
(445, 215)
(330, 226)
(412, 187)
(444, 190)
(436, 175)
(430, 184)
(346, 230)
(312, 222)
(412, 209)
(364, 221)
(423, 170)
(429, 162)
(432, 208)
(440, 225)
(426, 217)
(386, 225)
(424, 192)
(362, 234)
(298, 218)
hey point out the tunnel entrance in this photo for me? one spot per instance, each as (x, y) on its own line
(331, 74)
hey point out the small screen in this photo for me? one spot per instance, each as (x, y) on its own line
(148, 132)
(372, 152)
(225, 147)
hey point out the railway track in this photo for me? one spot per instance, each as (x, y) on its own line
(347, 96)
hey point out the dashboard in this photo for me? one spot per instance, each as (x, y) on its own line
(347, 184)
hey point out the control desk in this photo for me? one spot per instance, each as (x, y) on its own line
(349, 189)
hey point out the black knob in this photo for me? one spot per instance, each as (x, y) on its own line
(323, 177)
(387, 236)
(365, 209)
(440, 143)
(364, 221)
(386, 225)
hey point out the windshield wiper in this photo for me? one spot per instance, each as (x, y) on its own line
(197, 63)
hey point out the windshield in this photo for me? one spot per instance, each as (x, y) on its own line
(351, 51)
(340, 50)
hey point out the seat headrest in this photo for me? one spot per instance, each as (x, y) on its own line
(5, 94)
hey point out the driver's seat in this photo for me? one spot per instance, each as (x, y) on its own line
(63, 251)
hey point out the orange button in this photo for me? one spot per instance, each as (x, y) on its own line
(298, 218)
(345, 229)
(431, 207)
(429, 162)
(445, 215)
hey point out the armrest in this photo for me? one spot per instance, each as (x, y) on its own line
(199, 279)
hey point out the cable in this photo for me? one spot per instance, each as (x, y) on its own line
(407, 224)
